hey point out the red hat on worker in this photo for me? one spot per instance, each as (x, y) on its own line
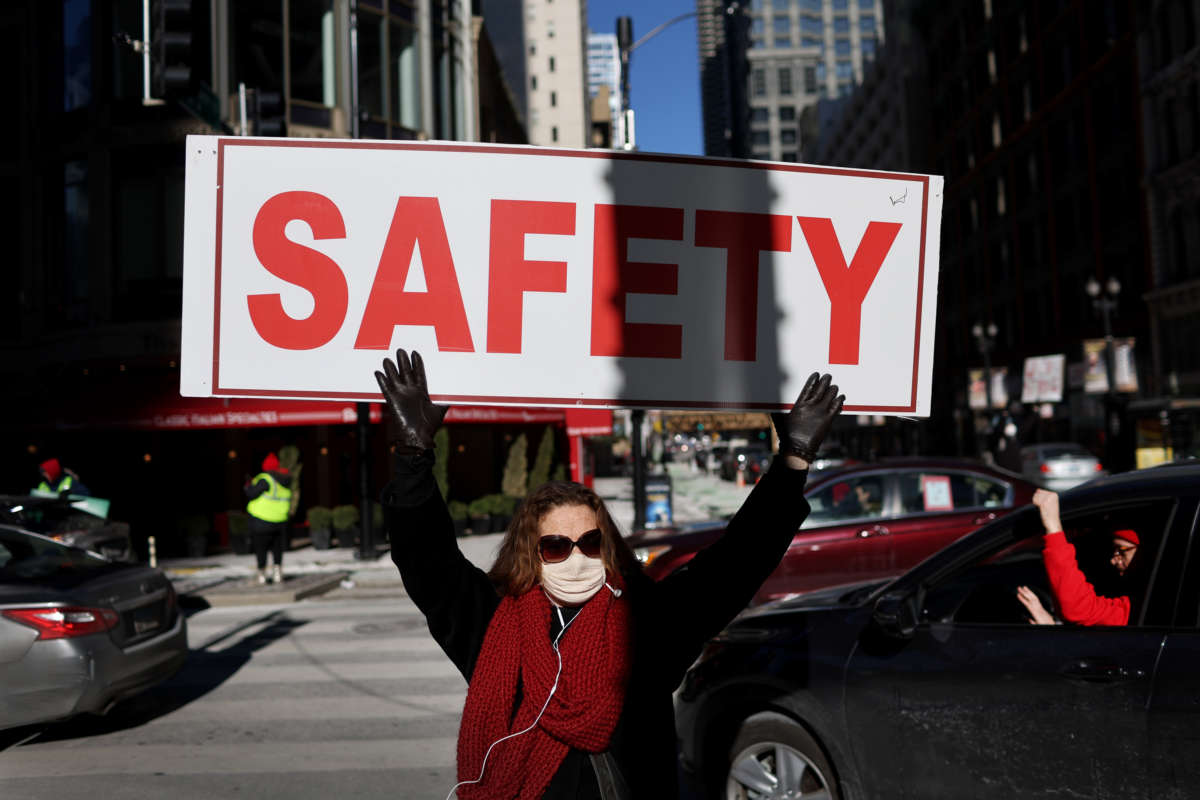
(52, 468)
(1128, 535)
(270, 463)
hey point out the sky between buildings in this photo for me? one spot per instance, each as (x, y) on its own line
(664, 78)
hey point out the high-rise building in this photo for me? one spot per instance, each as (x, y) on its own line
(795, 52)
(604, 69)
(555, 67)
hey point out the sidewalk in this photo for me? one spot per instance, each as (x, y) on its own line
(227, 578)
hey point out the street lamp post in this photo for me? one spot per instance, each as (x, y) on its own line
(985, 338)
(1104, 301)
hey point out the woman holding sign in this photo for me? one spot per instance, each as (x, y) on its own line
(571, 653)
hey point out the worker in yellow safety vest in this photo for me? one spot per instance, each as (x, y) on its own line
(57, 481)
(270, 494)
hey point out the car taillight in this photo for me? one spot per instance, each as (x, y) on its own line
(64, 622)
(1099, 467)
(1045, 467)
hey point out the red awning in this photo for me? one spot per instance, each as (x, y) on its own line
(589, 421)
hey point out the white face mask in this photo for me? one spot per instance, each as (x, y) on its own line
(575, 581)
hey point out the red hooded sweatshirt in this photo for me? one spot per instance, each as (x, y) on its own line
(1076, 597)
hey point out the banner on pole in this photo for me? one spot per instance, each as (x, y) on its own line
(533, 276)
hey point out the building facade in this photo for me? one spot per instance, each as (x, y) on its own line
(796, 52)
(556, 71)
(604, 71)
(94, 177)
(1168, 32)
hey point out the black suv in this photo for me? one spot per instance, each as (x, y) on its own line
(936, 685)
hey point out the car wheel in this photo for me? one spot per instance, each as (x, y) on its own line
(773, 757)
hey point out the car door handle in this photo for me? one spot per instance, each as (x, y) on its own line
(988, 517)
(1100, 671)
(876, 530)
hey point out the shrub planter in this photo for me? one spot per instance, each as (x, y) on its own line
(322, 538)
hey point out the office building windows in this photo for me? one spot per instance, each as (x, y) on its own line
(787, 113)
(787, 136)
(809, 25)
(842, 47)
(866, 24)
(311, 52)
(788, 156)
(760, 114)
(810, 80)
(785, 80)
(845, 70)
(760, 137)
(783, 24)
(404, 75)
(783, 41)
(77, 53)
(759, 83)
(553, 99)
(841, 24)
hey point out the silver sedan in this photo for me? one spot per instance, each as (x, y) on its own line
(1059, 466)
(78, 632)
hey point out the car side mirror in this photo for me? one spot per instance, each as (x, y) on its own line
(896, 614)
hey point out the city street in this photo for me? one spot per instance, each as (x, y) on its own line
(317, 699)
(345, 695)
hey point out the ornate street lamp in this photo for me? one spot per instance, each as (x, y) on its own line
(985, 337)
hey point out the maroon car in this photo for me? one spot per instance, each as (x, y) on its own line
(868, 521)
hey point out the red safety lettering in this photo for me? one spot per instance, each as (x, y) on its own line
(510, 275)
(744, 236)
(614, 276)
(303, 266)
(416, 222)
(847, 287)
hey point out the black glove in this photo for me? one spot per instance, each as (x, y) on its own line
(416, 417)
(802, 429)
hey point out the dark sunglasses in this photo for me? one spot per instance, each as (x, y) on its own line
(555, 548)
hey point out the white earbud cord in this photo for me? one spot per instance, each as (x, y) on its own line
(533, 724)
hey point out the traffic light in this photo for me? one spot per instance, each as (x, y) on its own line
(170, 47)
(267, 114)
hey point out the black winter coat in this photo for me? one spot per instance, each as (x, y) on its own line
(672, 618)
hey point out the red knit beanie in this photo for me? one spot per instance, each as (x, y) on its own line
(52, 468)
(1127, 535)
(271, 463)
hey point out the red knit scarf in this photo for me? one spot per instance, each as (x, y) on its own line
(518, 656)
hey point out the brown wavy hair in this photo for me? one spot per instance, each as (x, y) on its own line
(518, 566)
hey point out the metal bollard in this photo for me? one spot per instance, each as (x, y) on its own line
(153, 552)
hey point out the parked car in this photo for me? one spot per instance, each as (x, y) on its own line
(68, 521)
(79, 632)
(867, 521)
(935, 685)
(751, 460)
(1059, 466)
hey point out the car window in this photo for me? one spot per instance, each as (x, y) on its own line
(932, 491)
(25, 557)
(51, 519)
(984, 591)
(846, 499)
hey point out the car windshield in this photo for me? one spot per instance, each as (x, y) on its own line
(28, 558)
(51, 518)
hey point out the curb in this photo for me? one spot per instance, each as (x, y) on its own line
(248, 593)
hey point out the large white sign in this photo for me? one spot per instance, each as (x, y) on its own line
(533, 276)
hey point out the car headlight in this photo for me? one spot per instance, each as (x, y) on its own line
(646, 555)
